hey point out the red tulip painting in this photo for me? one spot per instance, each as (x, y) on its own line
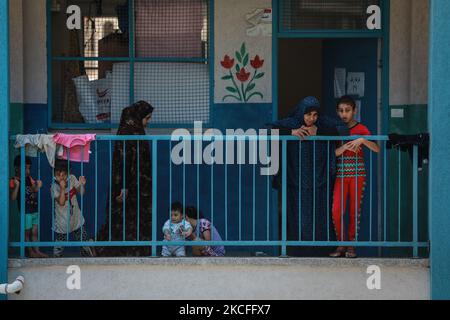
(257, 63)
(227, 63)
(243, 79)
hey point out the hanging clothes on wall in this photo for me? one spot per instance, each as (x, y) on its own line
(39, 143)
(406, 143)
(76, 147)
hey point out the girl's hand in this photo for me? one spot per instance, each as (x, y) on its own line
(82, 180)
(16, 183)
(167, 237)
(123, 194)
(38, 184)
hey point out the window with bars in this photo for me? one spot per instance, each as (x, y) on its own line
(160, 54)
(301, 15)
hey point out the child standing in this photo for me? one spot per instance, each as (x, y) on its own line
(176, 229)
(68, 217)
(351, 176)
(32, 188)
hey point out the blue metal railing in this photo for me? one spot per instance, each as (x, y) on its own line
(254, 192)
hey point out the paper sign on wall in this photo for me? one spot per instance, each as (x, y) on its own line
(340, 75)
(358, 110)
(356, 84)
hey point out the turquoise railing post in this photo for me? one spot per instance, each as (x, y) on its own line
(415, 200)
(370, 196)
(22, 202)
(400, 194)
(39, 199)
(110, 190)
(96, 192)
(283, 199)
(299, 192)
(138, 177)
(198, 192)
(212, 182)
(69, 205)
(154, 194)
(328, 190)
(314, 193)
(124, 189)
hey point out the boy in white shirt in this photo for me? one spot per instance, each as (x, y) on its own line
(68, 217)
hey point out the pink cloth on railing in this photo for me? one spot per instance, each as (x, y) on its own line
(169, 29)
(79, 145)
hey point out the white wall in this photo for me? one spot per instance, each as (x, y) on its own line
(409, 35)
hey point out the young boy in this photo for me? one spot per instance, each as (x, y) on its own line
(176, 229)
(68, 216)
(351, 176)
(32, 188)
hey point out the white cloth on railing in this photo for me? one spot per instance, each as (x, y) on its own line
(35, 143)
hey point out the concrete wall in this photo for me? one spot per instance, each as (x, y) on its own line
(224, 279)
(409, 37)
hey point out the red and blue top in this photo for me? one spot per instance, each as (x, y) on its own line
(351, 164)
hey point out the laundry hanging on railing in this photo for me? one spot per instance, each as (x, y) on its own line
(39, 143)
(405, 143)
(76, 147)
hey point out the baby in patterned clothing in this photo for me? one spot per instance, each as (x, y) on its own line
(176, 229)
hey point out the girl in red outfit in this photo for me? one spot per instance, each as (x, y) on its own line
(351, 176)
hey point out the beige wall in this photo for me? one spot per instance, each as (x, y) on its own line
(230, 32)
(35, 51)
(409, 35)
(16, 49)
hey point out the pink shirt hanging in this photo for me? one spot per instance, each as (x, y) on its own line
(79, 145)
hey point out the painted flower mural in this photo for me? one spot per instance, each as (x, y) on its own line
(243, 84)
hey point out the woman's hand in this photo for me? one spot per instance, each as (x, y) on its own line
(312, 131)
(300, 133)
(123, 195)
